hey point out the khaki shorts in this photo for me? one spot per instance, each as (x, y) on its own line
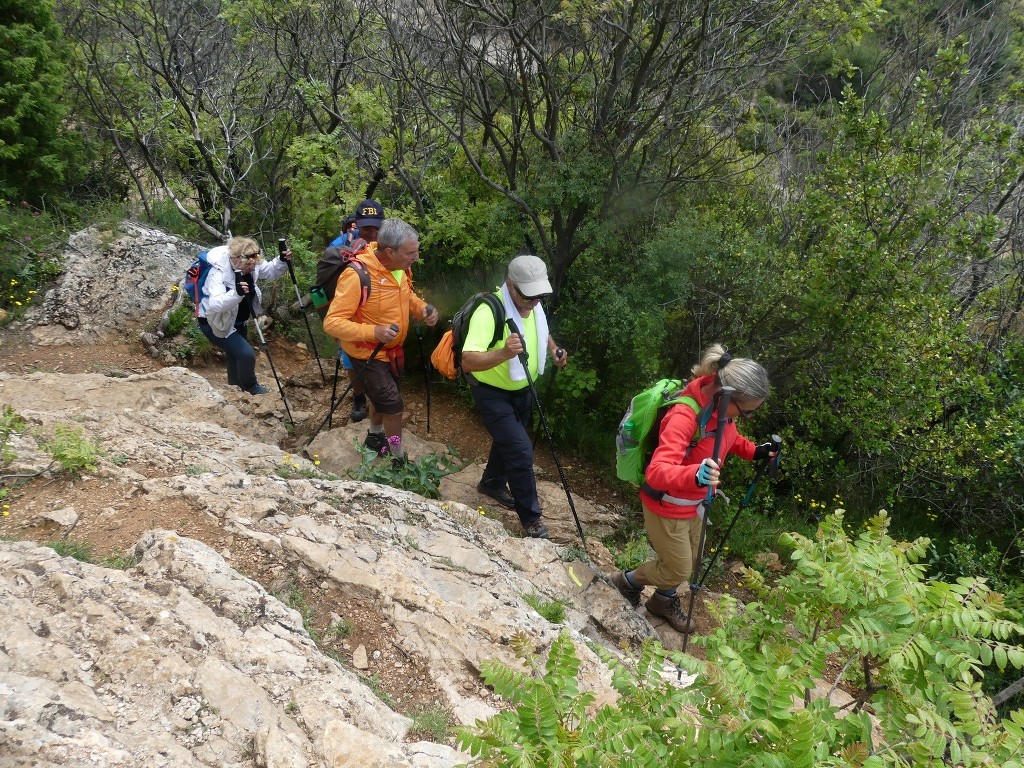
(381, 385)
(676, 542)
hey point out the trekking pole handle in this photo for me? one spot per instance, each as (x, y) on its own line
(282, 246)
(524, 355)
(773, 463)
(559, 353)
(724, 396)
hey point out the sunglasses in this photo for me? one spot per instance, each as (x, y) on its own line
(745, 414)
(538, 297)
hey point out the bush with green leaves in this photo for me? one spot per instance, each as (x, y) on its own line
(31, 240)
(422, 476)
(922, 649)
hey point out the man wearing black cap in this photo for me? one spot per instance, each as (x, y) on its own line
(501, 390)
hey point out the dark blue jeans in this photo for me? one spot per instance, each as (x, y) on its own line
(507, 416)
(241, 356)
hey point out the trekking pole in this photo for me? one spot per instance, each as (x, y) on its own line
(723, 397)
(772, 467)
(426, 365)
(524, 358)
(358, 377)
(547, 390)
(282, 246)
(266, 351)
(334, 385)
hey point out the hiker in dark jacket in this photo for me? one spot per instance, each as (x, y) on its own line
(681, 475)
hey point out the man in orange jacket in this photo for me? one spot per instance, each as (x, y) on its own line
(361, 326)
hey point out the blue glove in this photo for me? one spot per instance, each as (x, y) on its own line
(707, 473)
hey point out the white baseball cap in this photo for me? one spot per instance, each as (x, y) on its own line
(530, 275)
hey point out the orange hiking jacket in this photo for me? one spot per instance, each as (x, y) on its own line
(389, 302)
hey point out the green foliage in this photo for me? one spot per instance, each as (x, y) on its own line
(32, 240)
(634, 552)
(10, 424)
(79, 550)
(341, 629)
(120, 562)
(422, 476)
(73, 450)
(296, 600)
(922, 647)
(32, 151)
(552, 610)
(431, 723)
(181, 317)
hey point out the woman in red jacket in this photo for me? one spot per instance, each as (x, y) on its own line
(676, 482)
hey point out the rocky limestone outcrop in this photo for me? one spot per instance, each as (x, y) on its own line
(112, 280)
(183, 661)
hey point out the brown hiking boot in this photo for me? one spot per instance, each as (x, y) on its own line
(627, 590)
(670, 610)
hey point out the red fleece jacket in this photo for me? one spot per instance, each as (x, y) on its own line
(671, 470)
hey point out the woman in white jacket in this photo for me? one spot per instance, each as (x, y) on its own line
(230, 297)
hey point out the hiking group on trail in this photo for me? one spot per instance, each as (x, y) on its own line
(672, 442)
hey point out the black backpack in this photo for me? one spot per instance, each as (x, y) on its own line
(339, 254)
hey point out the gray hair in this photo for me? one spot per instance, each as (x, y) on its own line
(394, 233)
(749, 379)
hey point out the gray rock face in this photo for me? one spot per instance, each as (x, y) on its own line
(111, 281)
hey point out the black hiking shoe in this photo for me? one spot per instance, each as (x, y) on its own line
(538, 531)
(500, 495)
(359, 409)
(671, 611)
(627, 590)
(257, 389)
(376, 442)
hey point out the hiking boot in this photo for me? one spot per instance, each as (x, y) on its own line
(670, 610)
(376, 441)
(359, 409)
(257, 389)
(538, 531)
(627, 590)
(500, 495)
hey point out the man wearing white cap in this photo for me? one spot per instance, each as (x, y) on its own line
(501, 390)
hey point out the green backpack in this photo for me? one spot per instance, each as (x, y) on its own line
(637, 435)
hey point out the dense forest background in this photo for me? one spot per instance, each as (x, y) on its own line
(832, 187)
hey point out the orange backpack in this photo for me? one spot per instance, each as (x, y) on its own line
(447, 355)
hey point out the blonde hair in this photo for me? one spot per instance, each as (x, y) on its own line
(749, 379)
(237, 246)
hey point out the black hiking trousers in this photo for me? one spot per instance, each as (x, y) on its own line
(506, 414)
